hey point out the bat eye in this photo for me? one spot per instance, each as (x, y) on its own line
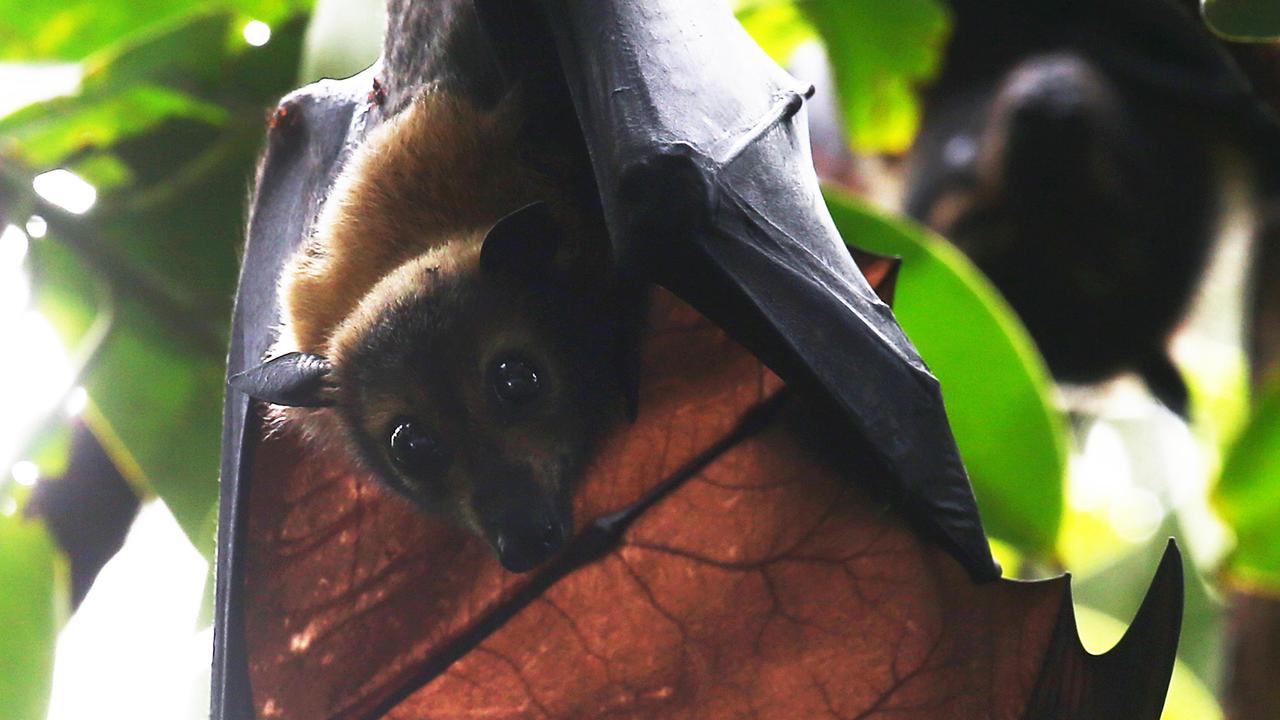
(415, 450)
(515, 380)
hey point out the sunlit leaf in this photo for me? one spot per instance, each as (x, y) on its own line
(52, 451)
(344, 37)
(174, 441)
(1247, 20)
(1248, 494)
(72, 29)
(879, 52)
(28, 615)
(994, 383)
(103, 170)
(156, 387)
(777, 25)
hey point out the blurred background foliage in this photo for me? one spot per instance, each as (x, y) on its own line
(128, 137)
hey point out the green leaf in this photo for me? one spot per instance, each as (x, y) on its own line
(173, 444)
(182, 70)
(879, 52)
(156, 393)
(779, 27)
(29, 616)
(51, 452)
(74, 29)
(48, 133)
(994, 382)
(103, 170)
(1247, 495)
(1243, 20)
(187, 50)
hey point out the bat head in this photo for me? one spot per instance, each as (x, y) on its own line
(475, 380)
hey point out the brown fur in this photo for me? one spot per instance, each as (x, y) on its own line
(438, 174)
(419, 192)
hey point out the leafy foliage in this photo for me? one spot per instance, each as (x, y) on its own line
(879, 52)
(1248, 495)
(74, 29)
(171, 120)
(166, 124)
(29, 611)
(993, 381)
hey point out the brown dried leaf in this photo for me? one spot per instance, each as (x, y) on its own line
(722, 569)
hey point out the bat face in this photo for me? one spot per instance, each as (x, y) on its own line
(481, 394)
(476, 379)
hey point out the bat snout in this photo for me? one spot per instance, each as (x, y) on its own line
(525, 541)
(524, 523)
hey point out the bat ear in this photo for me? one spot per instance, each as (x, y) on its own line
(295, 379)
(523, 243)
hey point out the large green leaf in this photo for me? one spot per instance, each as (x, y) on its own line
(994, 382)
(1248, 494)
(28, 615)
(1247, 20)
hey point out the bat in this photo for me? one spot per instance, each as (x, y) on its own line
(699, 155)
(1075, 160)
(450, 328)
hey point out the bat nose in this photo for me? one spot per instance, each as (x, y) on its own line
(525, 540)
(523, 520)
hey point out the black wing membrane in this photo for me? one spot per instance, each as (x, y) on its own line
(700, 150)
(309, 137)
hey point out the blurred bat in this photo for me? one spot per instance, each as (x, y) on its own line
(1069, 148)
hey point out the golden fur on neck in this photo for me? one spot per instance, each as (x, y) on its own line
(439, 173)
